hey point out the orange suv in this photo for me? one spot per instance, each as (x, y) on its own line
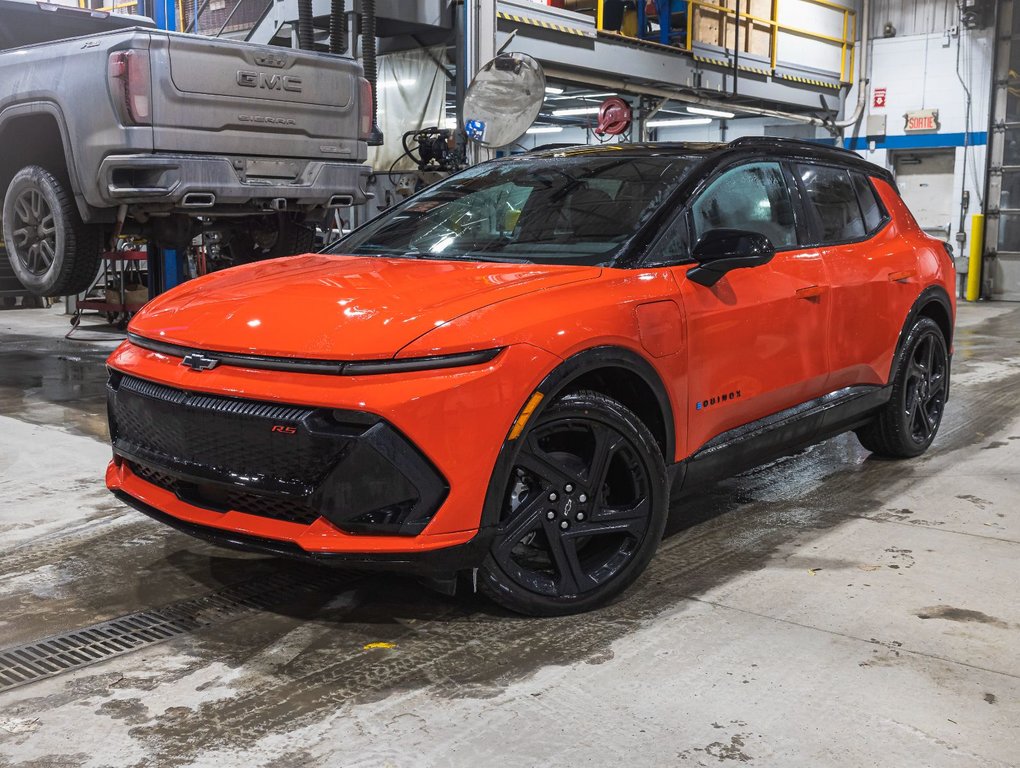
(508, 372)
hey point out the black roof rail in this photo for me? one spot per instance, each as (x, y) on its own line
(808, 150)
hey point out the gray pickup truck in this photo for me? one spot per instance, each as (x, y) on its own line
(166, 136)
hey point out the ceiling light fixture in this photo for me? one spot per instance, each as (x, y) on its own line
(572, 111)
(553, 90)
(709, 112)
(682, 121)
(545, 129)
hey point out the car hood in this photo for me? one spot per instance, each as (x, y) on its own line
(336, 307)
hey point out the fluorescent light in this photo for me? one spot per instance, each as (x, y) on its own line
(681, 121)
(595, 95)
(709, 112)
(552, 90)
(545, 129)
(576, 111)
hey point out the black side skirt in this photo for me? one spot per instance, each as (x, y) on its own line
(781, 434)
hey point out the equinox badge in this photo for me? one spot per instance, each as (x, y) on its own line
(196, 361)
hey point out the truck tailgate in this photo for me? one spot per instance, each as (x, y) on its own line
(234, 98)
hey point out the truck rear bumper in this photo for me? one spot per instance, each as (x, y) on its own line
(199, 182)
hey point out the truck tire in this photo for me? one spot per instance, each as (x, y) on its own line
(51, 250)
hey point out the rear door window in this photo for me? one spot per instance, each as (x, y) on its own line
(870, 207)
(752, 197)
(831, 194)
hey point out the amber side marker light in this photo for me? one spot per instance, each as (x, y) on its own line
(522, 420)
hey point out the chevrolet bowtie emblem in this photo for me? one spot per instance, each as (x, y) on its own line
(196, 361)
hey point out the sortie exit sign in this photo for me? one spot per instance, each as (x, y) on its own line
(921, 120)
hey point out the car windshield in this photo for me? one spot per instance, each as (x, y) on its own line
(579, 209)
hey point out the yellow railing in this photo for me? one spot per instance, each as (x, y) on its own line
(115, 8)
(846, 42)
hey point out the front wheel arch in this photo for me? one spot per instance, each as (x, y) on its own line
(614, 366)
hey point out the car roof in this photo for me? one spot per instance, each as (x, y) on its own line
(749, 146)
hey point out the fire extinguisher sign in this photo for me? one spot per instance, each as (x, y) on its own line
(878, 98)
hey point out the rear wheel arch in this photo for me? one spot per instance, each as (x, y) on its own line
(39, 131)
(933, 303)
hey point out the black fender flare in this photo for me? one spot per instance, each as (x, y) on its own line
(31, 108)
(933, 293)
(559, 380)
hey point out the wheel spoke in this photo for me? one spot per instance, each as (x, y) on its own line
(20, 236)
(572, 576)
(930, 358)
(525, 520)
(38, 205)
(46, 253)
(638, 511)
(22, 209)
(630, 524)
(547, 469)
(607, 442)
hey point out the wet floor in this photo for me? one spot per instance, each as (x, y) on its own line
(828, 609)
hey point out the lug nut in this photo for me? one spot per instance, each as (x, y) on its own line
(564, 525)
(580, 516)
(568, 488)
(550, 515)
(582, 498)
(553, 497)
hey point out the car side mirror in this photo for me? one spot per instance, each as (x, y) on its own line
(720, 250)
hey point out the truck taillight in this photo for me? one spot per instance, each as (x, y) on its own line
(130, 82)
(367, 97)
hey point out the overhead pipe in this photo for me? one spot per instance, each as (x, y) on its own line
(338, 26)
(305, 27)
(368, 49)
(834, 126)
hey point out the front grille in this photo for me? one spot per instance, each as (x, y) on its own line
(284, 462)
(221, 498)
(264, 446)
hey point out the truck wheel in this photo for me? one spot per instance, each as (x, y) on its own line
(51, 250)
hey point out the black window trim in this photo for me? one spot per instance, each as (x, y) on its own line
(796, 195)
(809, 210)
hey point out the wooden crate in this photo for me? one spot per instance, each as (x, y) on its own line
(715, 27)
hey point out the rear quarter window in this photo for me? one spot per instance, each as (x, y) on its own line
(831, 194)
(870, 207)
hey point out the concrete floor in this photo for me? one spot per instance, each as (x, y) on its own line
(829, 609)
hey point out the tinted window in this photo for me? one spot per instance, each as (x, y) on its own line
(754, 197)
(550, 210)
(831, 193)
(869, 202)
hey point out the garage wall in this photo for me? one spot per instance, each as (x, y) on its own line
(925, 72)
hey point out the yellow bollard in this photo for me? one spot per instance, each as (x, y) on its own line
(977, 247)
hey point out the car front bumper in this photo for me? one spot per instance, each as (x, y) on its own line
(456, 421)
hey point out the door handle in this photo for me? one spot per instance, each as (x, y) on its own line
(906, 274)
(811, 292)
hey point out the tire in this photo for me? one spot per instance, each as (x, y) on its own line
(271, 238)
(908, 423)
(583, 511)
(51, 250)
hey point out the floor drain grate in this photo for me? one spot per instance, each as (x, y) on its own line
(79, 648)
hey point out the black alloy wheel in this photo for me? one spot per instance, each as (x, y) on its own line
(583, 511)
(908, 423)
(925, 390)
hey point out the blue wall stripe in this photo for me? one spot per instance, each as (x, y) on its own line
(919, 141)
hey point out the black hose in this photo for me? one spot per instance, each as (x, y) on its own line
(371, 69)
(305, 30)
(337, 26)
